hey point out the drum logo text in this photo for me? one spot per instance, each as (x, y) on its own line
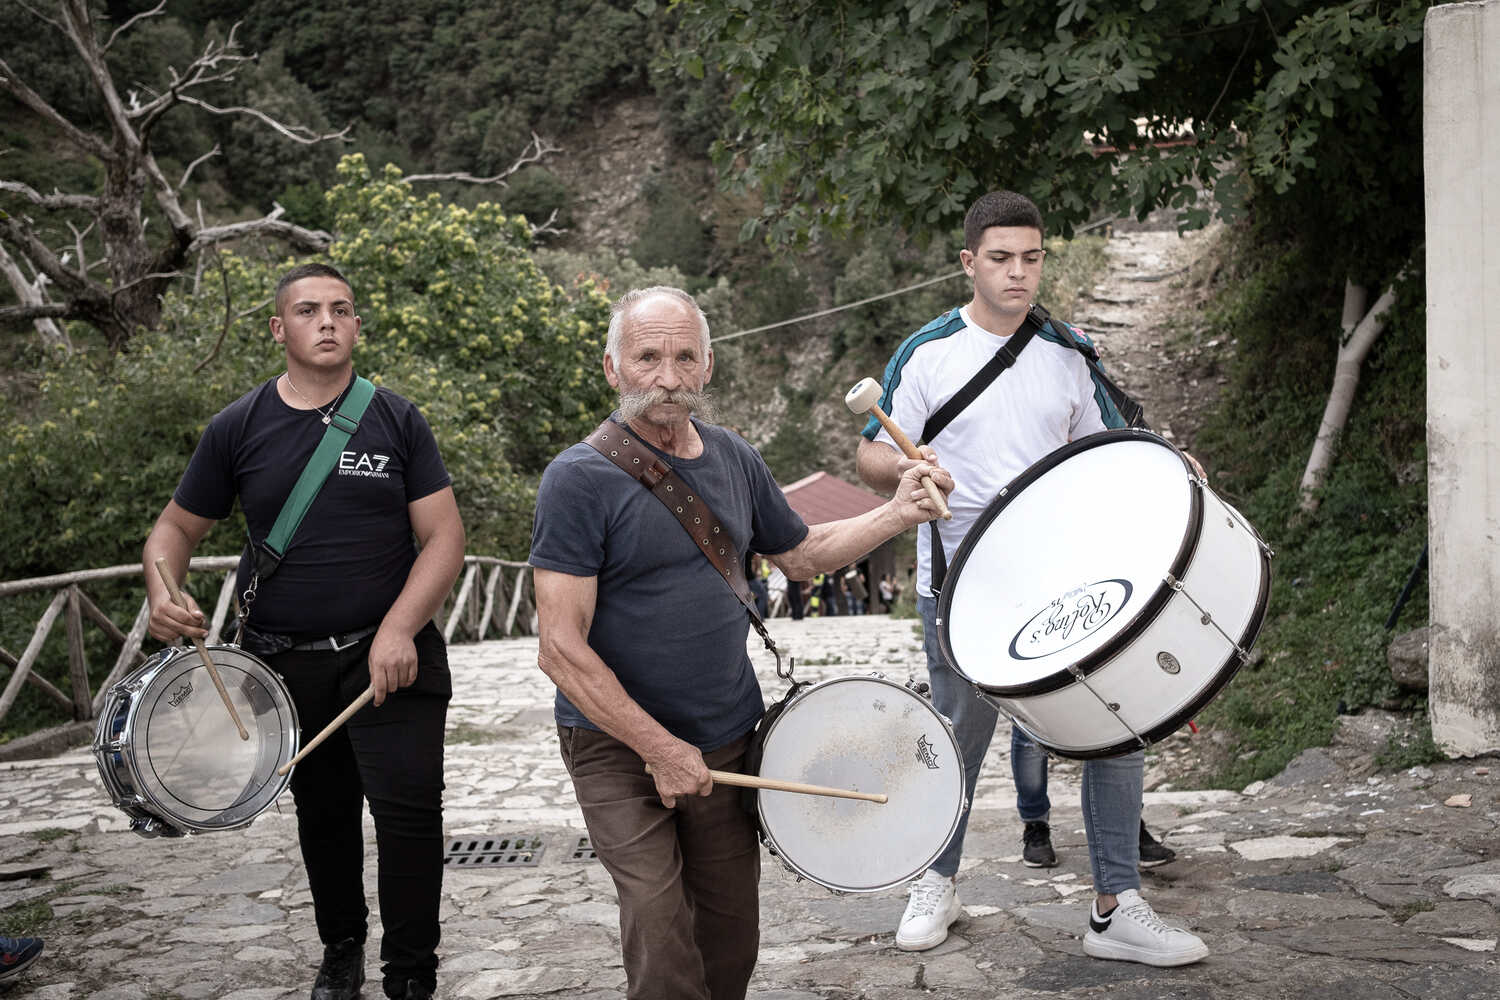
(1070, 618)
(925, 753)
(181, 694)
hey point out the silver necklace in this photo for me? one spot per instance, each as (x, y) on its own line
(327, 415)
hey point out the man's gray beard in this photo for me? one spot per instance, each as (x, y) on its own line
(633, 405)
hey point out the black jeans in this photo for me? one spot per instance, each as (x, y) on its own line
(391, 756)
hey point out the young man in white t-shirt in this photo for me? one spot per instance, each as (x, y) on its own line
(1046, 399)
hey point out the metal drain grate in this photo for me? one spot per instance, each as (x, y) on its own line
(583, 850)
(512, 851)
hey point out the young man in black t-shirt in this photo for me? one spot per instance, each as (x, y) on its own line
(350, 605)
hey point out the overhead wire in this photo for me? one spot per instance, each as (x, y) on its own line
(829, 312)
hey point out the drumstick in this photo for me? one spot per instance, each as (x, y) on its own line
(213, 671)
(339, 720)
(777, 785)
(864, 398)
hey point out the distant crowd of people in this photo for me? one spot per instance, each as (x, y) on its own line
(845, 591)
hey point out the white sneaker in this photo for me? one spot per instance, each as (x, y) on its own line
(1134, 933)
(933, 906)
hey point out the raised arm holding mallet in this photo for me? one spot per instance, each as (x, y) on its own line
(864, 398)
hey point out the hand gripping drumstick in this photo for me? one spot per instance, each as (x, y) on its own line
(328, 730)
(864, 398)
(777, 785)
(213, 671)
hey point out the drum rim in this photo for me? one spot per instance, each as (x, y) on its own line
(140, 797)
(1149, 610)
(780, 852)
(1223, 674)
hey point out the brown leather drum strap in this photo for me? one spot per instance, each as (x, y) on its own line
(616, 443)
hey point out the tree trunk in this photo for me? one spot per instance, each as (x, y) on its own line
(1354, 346)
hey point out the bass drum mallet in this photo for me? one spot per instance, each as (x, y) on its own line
(865, 398)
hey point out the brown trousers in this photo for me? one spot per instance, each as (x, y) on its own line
(688, 878)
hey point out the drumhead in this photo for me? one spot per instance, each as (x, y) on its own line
(181, 751)
(867, 734)
(1068, 562)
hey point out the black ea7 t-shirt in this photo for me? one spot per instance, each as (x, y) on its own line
(350, 557)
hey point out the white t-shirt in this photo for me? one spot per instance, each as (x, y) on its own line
(1043, 401)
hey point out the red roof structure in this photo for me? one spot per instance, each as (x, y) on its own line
(821, 497)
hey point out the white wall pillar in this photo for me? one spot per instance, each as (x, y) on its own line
(1461, 157)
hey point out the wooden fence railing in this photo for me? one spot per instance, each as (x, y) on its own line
(490, 592)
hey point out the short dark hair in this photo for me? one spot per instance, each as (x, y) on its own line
(312, 269)
(999, 208)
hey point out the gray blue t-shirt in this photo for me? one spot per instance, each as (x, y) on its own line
(664, 620)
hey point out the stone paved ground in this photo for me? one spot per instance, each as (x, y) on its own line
(1329, 881)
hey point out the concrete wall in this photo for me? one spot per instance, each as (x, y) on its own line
(1461, 156)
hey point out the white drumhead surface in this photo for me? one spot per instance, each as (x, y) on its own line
(867, 735)
(1068, 563)
(188, 754)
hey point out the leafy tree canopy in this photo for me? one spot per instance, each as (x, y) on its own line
(504, 364)
(852, 113)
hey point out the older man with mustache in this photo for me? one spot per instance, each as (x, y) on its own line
(646, 644)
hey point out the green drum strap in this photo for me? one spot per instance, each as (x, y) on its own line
(340, 428)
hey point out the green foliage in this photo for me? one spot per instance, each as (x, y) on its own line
(674, 234)
(1336, 575)
(903, 105)
(458, 289)
(537, 193)
(457, 85)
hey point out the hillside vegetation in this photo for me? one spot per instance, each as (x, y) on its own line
(495, 328)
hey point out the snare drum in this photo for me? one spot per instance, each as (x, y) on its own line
(169, 753)
(1105, 596)
(866, 734)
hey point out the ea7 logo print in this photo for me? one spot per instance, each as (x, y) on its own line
(1070, 618)
(925, 753)
(359, 463)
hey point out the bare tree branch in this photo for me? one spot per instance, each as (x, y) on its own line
(20, 237)
(18, 89)
(56, 199)
(139, 17)
(311, 240)
(29, 313)
(536, 150)
(547, 228)
(194, 165)
(228, 316)
(39, 15)
(32, 294)
(78, 235)
(79, 24)
(296, 133)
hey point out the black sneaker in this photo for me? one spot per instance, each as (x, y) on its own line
(342, 972)
(1153, 852)
(1036, 846)
(16, 953)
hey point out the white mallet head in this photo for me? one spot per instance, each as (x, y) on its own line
(864, 395)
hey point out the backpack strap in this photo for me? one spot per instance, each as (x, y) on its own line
(341, 427)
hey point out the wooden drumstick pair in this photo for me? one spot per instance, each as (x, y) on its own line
(208, 663)
(777, 785)
(865, 398)
(213, 672)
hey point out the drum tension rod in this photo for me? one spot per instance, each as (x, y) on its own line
(1112, 707)
(1208, 619)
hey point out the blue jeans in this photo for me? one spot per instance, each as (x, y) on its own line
(1111, 787)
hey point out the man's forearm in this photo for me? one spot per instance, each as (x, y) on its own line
(878, 465)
